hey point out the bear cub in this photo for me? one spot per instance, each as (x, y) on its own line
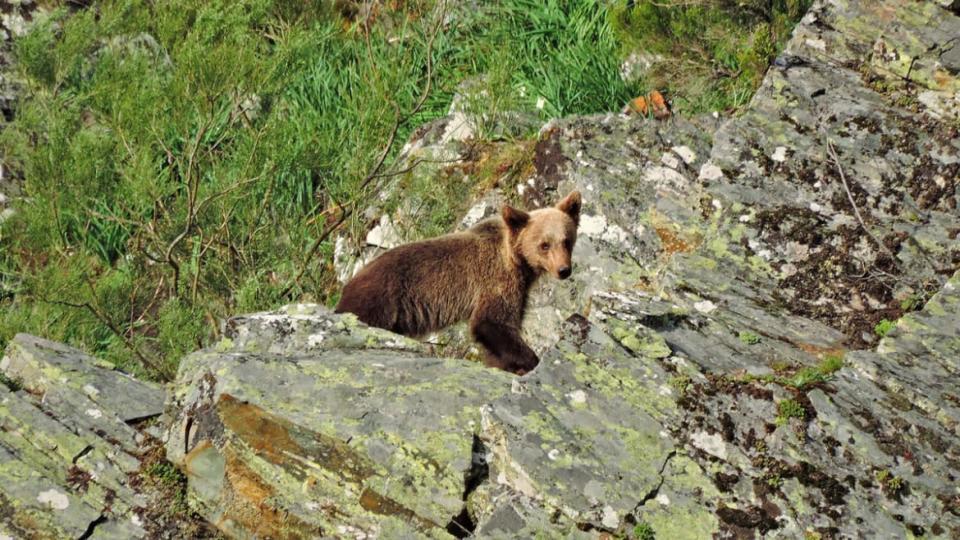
(482, 275)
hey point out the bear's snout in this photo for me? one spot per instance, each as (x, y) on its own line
(564, 272)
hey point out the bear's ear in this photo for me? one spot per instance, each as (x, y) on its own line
(570, 205)
(515, 219)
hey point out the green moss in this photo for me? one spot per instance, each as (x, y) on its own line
(774, 481)
(884, 327)
(748, 338)
(891, 484)
(649, 345)
(224, 345)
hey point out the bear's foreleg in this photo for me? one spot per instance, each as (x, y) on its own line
(503, 344)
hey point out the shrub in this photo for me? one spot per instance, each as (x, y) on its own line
(716, 51)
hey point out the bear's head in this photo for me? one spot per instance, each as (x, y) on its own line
(545, 238)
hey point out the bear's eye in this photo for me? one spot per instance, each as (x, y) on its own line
(544, 246)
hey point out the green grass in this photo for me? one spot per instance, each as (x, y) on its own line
(788, 409)
(808, 376)
(185, 160)
(716, 51)
(172, 484)
(801, 379)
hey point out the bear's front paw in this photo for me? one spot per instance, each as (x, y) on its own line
(523, 367)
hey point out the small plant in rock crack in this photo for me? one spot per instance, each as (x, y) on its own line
(884, 327)
(165, 475)
(681, 383)
(12, 384)
(802, 379)
(890, 484)
(811, 375)
(748, 338)
(911, 303)
(788, 409)
(774, 481)
(164, 472)
(643, 531)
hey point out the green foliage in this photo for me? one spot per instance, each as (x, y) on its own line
(643, 531)
(830, 364)
(164, 472)
(176, 157)
(811, 375)
(716, 51)
(564, 55)
(788, 409)
(912, 302)
(884, 327)
(748, 338)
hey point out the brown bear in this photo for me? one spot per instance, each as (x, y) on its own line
(482, 275)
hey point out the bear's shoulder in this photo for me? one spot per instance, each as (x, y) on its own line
(492, 228)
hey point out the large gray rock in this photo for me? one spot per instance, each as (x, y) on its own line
(68, 451)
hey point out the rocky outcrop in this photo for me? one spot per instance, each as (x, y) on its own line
(761, 338)
(70, 444)
(713, 367)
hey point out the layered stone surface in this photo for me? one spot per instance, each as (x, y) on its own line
(70, 444)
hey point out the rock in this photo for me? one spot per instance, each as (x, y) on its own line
(637, 64)
(68, 450)
(325, 441)
(44, 366)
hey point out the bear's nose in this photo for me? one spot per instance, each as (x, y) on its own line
(564, 272)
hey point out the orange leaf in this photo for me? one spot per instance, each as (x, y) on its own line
(659, 105)
(639, 105)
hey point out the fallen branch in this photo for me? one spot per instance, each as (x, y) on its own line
(856, 210)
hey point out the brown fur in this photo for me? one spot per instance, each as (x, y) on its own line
(482, 275)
